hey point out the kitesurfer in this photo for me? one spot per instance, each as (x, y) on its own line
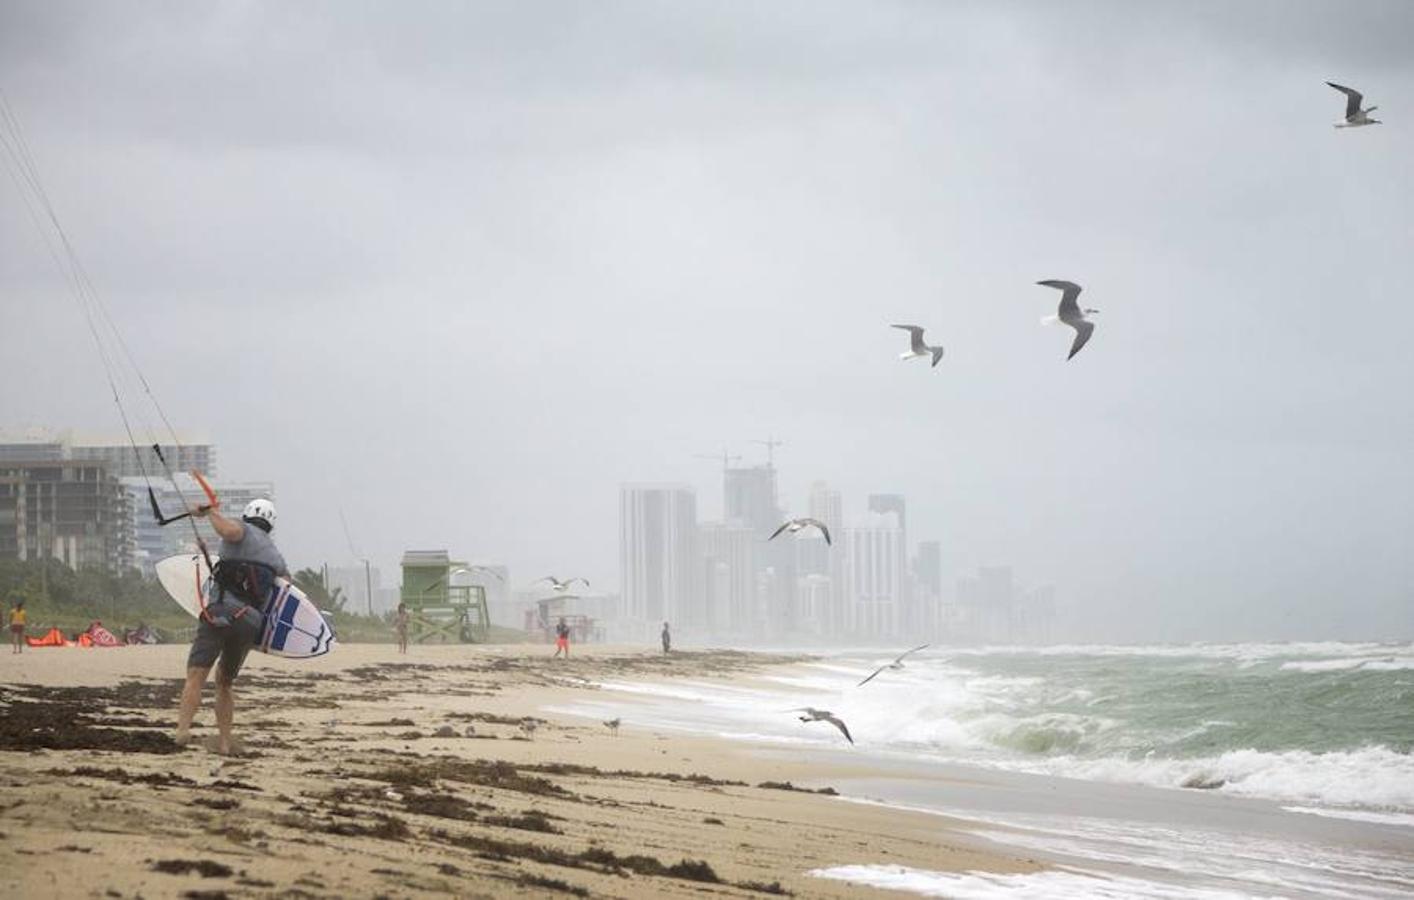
(230, 620)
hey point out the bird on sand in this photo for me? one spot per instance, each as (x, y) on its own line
(823, 715)
(795, 525)
(613, 725)
(896, 664)
(562, 585)
(916, 347)
(1071, 314)
(1354, 115)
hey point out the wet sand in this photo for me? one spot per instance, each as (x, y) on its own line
(368, 773)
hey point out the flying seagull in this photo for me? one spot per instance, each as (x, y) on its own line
(1071, 314)
(1354, 115)
(823, 715)
(896, 664)
(795, 525)
(916, 346)
(564, 585)
(472, 570)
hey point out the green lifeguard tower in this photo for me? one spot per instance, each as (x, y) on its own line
(439, 609)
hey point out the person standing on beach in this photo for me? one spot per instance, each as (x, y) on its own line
(562, 639)
(667, 640)
(400, 625)
(230, 621)
(17, 626)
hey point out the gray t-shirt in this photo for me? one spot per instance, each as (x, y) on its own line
(256, 546)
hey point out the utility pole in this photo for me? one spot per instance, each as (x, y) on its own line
(368, 586)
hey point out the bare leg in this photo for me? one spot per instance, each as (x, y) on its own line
(191, 699)
(225, 714)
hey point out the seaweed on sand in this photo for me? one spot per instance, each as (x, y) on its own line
(481, 772)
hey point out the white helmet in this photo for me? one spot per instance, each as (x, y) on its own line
(260, 509)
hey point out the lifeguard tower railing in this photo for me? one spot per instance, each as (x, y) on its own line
(438, 608)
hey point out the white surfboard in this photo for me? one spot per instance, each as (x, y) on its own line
(293, 625)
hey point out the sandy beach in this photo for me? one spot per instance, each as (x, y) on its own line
(366, 773)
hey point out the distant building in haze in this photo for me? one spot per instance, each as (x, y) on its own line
(658, 565)
(750, 497)
(928, 567)
(874, 576)
(727, 552)
(125, 462)
(64, 509)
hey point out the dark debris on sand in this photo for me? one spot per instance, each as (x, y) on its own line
(787, 786)
(48, 718)
(481, 772)
(204, 867)
(122, 776)
(596, 859)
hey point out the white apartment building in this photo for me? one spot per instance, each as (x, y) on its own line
(657, 553)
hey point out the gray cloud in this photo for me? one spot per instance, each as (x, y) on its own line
(459, 270)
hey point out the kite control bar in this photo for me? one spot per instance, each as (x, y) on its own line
(211, 500)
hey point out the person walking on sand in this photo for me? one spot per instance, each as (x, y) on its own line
(667, 640)
(230, 618)
(17, 626)
(562, 639)
(400, 626)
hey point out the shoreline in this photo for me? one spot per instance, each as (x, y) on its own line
(364, 780)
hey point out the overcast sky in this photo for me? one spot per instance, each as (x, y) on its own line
(461, 269)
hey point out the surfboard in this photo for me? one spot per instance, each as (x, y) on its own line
(293, 626)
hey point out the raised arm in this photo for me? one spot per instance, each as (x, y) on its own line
(229, 529)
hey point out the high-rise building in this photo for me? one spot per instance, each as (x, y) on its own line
(658, 565)
(908, 616)
(825, 505)
(894, 503)
(874, 577)
(125, 462)
(928, 567)
(728, 591)
(750, 497)
(64, 509)
(985, 605)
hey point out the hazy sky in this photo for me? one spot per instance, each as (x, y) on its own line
(460, 269)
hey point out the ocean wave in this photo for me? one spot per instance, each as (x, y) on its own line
(1364, 663)
(1356, 815)
(1371, 777)
(1252, 652)
(1062, 884)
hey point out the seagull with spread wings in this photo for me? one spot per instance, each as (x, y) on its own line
(1070, 313)
(795, 525)
(1354, 115)
(896, 664)
(562, 586)
(916, 347)
(823, 715)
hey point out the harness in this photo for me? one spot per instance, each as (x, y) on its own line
(248, 581)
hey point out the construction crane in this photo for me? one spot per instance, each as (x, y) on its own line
(727, 459)
(770, 444)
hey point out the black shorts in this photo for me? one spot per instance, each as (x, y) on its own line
(229, 643)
